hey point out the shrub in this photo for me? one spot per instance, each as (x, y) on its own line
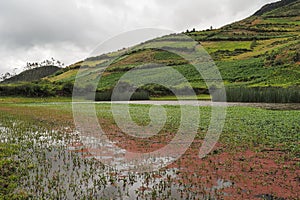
(253, 44)
(27, 90)
(67, 89)
(106, 96)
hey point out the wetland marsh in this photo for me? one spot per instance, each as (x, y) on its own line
(42, 156)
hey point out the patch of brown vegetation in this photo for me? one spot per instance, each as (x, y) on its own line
(256, 21)
(251, 173)
(145, 56)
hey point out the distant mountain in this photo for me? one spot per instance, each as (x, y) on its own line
(33, 74)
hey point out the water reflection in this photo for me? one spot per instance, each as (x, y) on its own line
(60, 167)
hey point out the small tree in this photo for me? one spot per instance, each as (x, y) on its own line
(253, 44)
(44, 63)
(297, 57)
(67, 88)
(7, 75)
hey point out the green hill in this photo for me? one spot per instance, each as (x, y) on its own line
(32, 74)
(260, 51)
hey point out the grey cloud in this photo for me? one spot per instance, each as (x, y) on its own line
(69, 29)
(41, 22)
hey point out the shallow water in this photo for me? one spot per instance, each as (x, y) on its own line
(75, 174)
(59, 169)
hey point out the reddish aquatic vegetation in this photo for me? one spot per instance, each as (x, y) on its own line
(134, 144)
(75, 146)
(143, 189)
(251, 173)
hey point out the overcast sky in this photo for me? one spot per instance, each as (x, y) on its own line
(68, 30)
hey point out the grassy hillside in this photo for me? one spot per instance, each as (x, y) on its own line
(258, 51)
(262, 50)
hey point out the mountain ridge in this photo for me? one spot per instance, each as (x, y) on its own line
(32, 74)
(272, 6)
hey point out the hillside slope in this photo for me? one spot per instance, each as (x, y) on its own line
(262, 50)
(273, 6)
(33, 74)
